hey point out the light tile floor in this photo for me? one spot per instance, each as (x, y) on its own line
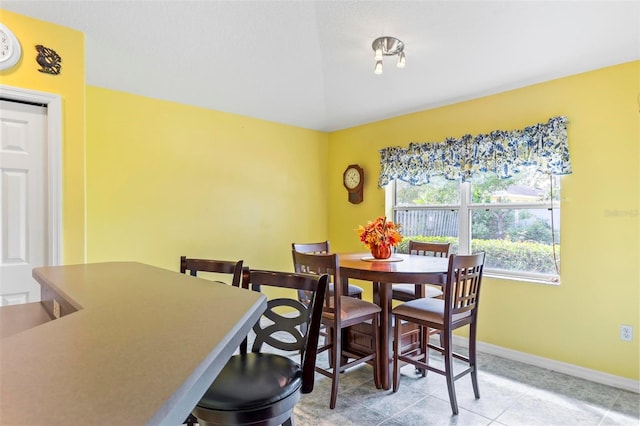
(511, 394)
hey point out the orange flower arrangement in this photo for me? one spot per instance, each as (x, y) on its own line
(380, 232)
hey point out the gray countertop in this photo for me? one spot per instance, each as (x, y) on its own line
(142, 348)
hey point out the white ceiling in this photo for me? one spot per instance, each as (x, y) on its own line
(310, 63)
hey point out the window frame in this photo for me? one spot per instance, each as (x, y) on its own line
(465, 210)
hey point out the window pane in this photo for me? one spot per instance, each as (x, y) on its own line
(438, 191)
(528, 186)
(428, 225)
(517, 240)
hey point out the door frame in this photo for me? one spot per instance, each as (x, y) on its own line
(54, 161)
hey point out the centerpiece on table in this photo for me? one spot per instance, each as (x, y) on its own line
(379, 236)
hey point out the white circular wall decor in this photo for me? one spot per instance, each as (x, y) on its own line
(10, 49)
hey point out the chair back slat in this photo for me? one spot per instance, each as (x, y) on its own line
(281, 331)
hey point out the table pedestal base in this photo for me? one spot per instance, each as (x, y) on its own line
(360, 341)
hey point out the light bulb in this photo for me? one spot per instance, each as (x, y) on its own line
(401, 60)
(378, 69)
(378, 56)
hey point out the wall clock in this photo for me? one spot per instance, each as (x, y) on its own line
(353, 180)
(10, 49)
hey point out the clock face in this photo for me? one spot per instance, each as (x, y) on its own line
(352, 178)
(5, 46)
(9, 48)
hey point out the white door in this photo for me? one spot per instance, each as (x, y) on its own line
(23, 201)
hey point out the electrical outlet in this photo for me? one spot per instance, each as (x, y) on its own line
(56, 309)
(626, 333)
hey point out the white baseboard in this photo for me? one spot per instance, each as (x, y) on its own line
(550, 364)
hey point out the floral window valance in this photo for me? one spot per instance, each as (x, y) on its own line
(502, 152)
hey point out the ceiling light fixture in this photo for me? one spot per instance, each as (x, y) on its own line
(388, 46)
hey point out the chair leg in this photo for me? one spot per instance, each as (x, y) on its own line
(343, 338)
(336, 370)
(425, 333)
(472, 360)
(328, 340)
(289, 422)
(377, 379)
(448, 368)
(396, 355)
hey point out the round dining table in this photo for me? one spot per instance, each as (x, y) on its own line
(400, 268)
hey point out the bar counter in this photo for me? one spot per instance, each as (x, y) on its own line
(134, 344)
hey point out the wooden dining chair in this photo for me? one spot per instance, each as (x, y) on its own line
(323, 248)
(341, 312)
(459, 308)
(218, 268)
(212, 266)
(406, 292)
(260, 387)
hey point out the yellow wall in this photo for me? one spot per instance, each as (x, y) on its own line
(166, 179)
(579, 321)
(70, 85)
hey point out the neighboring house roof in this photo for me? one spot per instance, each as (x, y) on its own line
(519, 193)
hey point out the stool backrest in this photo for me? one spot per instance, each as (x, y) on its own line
(427, 248)
(214, 266)
(323, 263)
(288, 324)
(321, 247)
(462, 291)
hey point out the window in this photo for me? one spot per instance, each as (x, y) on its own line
(516, 221)
(506, 202)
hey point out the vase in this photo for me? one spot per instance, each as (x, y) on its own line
(381, 251)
